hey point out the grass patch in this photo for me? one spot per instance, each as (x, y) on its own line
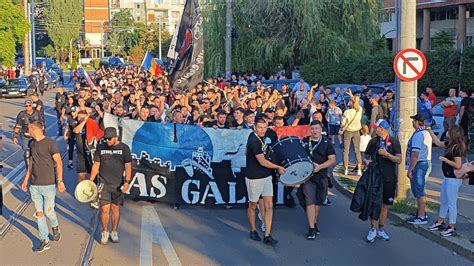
(409, 206)
(349, 183)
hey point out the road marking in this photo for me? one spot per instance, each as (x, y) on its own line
(153, 232)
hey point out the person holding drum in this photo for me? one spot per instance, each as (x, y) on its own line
(259, 180)
(315, 189)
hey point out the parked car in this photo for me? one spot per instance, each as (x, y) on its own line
(55, 80)
(16, 88)
(379, 88)
(277, 84)
(112, 61)
(3, 82)
(47, 62)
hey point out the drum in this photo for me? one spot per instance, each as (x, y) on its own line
(290, 153)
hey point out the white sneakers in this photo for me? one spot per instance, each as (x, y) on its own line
(105, 237)
(114, 237)
(346, 171)
(373, 233)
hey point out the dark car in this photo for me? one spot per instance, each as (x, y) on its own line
(44, 61)
(379, 88)
(353, 87)
(3, 82)
(277, 84)
(114, 62)
(16, 88)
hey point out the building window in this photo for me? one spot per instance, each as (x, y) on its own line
(160, 2)
(446, 14)
(138, 6)
(175, 16)
(387, 16)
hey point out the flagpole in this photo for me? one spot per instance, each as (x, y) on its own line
(144, 58)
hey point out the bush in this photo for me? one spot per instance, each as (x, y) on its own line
(95, 63)
(442, 71)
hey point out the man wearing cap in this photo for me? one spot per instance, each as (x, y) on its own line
(21, 128)
(418, 165)
(111, 159)
(386, 151)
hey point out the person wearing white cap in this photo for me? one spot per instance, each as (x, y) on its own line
(386, 151)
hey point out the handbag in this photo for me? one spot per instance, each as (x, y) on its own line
(342, 129)
(465, 169)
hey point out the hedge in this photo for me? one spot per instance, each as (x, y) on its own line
(442, 72)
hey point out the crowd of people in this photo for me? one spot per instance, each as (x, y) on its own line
(335, 117)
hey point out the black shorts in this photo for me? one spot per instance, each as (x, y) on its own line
(83, 164)
(111, 195)
(389, 190)
(315, 190)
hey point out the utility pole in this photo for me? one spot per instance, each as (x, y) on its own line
(159, 36)
(26, 42)
(407, 91)
(33, 34)
(228, 38)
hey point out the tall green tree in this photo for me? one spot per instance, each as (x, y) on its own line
(63, 23)
(268, 33)
(124, 26)
(13, 27)
(443, 40)
(149, 40)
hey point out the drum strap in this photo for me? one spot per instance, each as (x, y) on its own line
(311, 147)
(261, 141)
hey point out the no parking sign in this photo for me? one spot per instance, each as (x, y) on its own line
(409, 64)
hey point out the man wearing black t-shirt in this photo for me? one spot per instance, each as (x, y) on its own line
(40, 175)
(386, 151)
(259, 180)
(110, 161)
(315, 189)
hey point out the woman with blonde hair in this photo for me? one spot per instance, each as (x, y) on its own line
(351, 126)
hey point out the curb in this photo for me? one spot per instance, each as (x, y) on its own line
(399, 218)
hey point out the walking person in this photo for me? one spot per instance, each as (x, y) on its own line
(351, 125)
(316, 188)
(386, 151)
(333, 116)
(59, 106)
(111, 159)
(466, 105)
(258, 180)
(21, 128)
(449, 110)
(455, 148)
(418, 165)
(40, 175)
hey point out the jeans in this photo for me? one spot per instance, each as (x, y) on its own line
(448, 199)
(43, 197)
(420, 173)
(355, 138)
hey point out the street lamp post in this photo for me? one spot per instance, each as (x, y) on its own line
(159, 36)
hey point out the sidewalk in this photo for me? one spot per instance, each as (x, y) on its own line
(401, 210)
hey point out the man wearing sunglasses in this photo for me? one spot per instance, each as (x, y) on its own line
(111, 159)
(20, 131)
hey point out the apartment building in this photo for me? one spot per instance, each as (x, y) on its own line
(96, 19)
(453, 16)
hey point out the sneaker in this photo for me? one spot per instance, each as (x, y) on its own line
(414, 214)
(105, 238)
(327, 202)
(382, 235)
(270, 241)
(359, 172)
(254, 236)
(448, 232)
(437, 226)
(56, 233)
(114, 237)
(45, 245)
(262, 227)
(346, 171)
(371, 235)
(94, 204)
(311, 234)
(417, 220)
(70, 166)
(316, 229)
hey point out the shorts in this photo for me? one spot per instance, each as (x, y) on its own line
(315, 190)
(110, 195)
(83, 164)
(389, 190)
(333, 130)
(420, 173)
(259, 187)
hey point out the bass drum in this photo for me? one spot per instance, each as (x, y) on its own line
(290, 153)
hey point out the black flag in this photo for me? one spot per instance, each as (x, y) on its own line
(188, 68)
